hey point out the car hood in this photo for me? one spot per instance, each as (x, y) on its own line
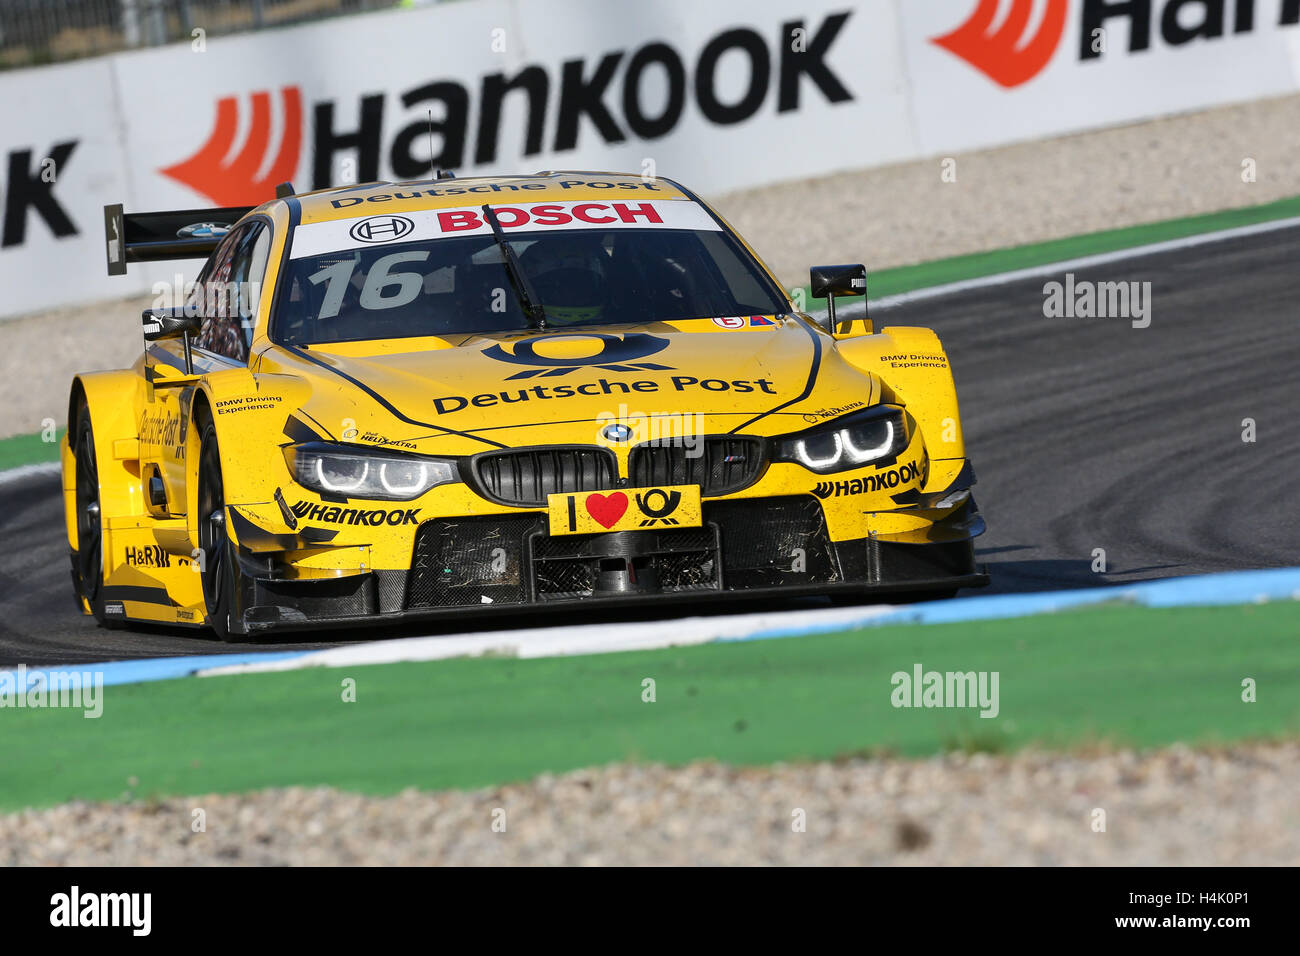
(766, 375)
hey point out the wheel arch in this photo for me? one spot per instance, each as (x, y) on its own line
(912, 362)
(112, 399)
(200, 414)
(248, 438)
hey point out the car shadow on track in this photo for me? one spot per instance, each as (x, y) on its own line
(1062, 574)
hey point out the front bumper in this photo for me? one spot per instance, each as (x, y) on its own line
(503, 563)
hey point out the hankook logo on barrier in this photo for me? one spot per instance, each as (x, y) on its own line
(27, 186)
(603, 94)
(1010, 55)
(237, 183)
(1005, 55)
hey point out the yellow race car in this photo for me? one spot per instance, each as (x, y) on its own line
(469, 396)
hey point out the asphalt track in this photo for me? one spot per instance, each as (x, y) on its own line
(1086, 434)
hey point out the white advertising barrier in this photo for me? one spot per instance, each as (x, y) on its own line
(721, 95)
(987, 73)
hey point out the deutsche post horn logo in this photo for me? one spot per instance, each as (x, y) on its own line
(658, 505)
(1006, 55)
(381, 229)
(618, 353)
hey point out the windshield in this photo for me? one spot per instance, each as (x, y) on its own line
(376, 284)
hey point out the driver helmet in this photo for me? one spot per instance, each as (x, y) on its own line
(568, 273)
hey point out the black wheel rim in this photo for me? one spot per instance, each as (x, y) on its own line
(90, 564)
(212, 530)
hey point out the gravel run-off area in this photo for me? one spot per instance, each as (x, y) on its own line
(1175, 806)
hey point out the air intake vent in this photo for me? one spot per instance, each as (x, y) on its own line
(523, 478)
(720, 465)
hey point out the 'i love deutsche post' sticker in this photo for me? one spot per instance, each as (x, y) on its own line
(627, 509)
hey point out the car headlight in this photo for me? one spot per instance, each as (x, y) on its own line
(850, 442)
(351, 472)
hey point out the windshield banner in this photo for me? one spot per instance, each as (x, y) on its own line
(314, 239)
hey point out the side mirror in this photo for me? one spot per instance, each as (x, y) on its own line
(168, 324)
(827, 282)
(159, 324)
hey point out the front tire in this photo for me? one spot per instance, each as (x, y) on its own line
(88, 558)
(219, 568)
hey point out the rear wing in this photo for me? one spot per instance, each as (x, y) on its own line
(155, 236)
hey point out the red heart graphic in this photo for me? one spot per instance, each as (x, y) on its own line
(607, 510)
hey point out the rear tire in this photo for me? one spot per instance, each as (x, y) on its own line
(88, 558)
(219, 569)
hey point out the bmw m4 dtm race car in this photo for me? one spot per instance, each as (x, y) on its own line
(463, 396)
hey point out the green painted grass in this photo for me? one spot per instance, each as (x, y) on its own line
(1116, 675)
(28, 450)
